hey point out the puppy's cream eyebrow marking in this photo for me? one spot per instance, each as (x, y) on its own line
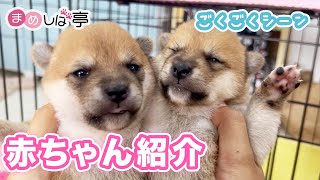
(84, 63)
(210, 51)
(129, 58)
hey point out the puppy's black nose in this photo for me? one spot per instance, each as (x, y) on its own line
(181, 70)
(117, 93)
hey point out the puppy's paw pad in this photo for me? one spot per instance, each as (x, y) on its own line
(282, 81)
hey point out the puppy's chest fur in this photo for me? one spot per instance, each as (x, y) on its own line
(164, 118)
(167, 119)
(97, 174)
(82, 130)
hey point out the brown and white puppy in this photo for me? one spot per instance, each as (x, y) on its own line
(197, 72)
(99, 81)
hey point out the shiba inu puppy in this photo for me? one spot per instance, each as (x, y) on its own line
(197, 72)
(99, 80)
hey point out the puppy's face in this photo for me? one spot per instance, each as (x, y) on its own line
(201, 68)
(101, 73)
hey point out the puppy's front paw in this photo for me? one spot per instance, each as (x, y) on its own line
(280, 83)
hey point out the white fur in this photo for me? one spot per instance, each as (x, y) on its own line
(69, 113)
(165, 72)
(226, 86)
(263, 125)
(180, 97)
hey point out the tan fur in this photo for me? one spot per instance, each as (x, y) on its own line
(174, 110)
(105, 50)
(176, 118)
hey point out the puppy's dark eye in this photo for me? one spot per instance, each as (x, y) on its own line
(174, 49)
(81, 73)
(133, 67)
(213, 60)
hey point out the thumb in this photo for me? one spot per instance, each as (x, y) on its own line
(43, 122)
(234, 145)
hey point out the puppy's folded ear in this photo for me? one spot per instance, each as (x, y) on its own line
(164, 39)
(145, 44)
(41, 54)
(254, 62)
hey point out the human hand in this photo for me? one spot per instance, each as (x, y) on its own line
(43, 122)
(235, 158)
